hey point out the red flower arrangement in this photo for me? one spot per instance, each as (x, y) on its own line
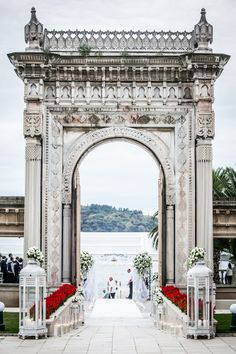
(58, 297)
(176, 296)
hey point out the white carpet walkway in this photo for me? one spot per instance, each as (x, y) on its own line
(117, 327)
(115, 308)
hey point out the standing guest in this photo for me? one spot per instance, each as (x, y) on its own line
(4, 268)
(130, 284)
(10, 270)
(9, 258)
(229, 273)
(17, 268)
(112, 288)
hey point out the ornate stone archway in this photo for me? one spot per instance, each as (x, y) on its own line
(154, 88)
(74, 155)
(149, 140)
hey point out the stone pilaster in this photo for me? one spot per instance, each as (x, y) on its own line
(66, 244)
(32, 217)
(78, 226)
(204, 197)
(170, 245)
(160, 269)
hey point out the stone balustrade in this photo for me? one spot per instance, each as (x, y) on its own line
(67, 317)
(115, 41)
(169, 317)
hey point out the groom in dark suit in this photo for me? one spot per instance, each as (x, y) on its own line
(130, 284)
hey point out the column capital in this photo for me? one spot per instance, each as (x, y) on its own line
(67, 206)
(170, 207)
(33, 149)
(204, 150)
(205, 125)
(33, 124)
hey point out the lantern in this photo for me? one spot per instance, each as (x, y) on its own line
(32, 287)
(201, 301)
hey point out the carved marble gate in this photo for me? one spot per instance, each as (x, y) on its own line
(85, 87)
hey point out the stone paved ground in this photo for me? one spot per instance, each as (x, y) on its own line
(117, 336)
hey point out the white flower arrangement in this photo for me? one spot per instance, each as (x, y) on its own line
(142, 263)
(157, 296)
(196, 254)
(79, 295)
(35, 253)
(86, 262)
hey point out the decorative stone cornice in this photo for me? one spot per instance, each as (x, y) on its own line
(177, 68)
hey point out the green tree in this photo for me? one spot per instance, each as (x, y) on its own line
(153, 234)
(224, 183)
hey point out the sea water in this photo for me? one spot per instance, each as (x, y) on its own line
(113, 254)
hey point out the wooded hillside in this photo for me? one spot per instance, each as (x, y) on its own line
(105, 218)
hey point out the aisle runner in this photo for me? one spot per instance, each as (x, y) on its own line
(115, 308)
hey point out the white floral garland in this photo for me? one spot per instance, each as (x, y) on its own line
(35, 253)
(79, 295)
(196, 254)
(157, 296)
(86, 262)
(142, 263)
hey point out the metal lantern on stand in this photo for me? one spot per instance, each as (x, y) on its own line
(32, 287)
(201, 301)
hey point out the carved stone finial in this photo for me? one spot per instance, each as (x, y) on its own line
(203, 33)
(34, 32)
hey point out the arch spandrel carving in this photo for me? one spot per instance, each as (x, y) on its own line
(150, 141)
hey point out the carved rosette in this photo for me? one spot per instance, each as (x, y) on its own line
(205, 125)
(32, 124)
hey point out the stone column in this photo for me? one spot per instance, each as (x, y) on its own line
(66, 244)
(160, 228)
(78, 225)
(170, 245)
(204, 197)
(32, 217)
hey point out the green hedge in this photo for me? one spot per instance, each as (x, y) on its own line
(224, 321)
(11, 320)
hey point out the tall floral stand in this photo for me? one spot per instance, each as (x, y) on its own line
(77, 314)
(32, 288)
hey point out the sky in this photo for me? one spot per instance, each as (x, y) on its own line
(131, 178)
